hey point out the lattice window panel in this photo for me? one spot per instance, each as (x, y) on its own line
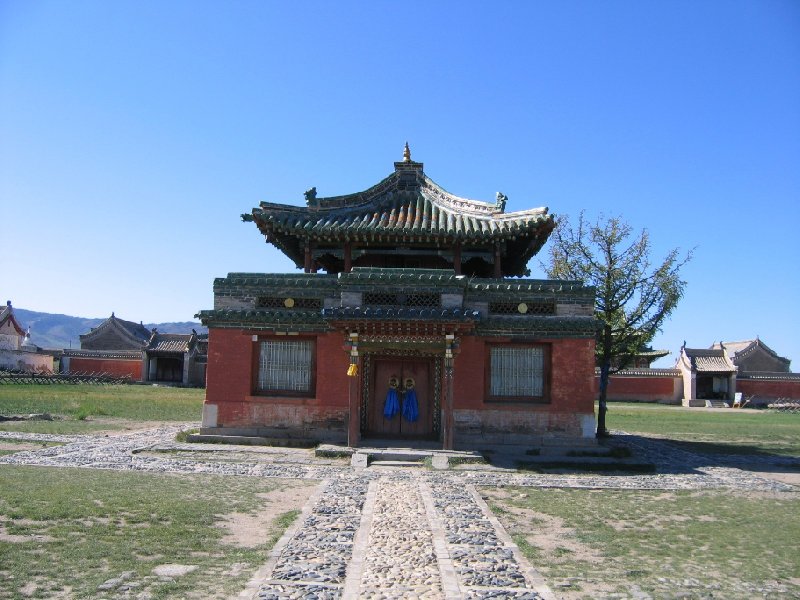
(285, 366)
(380, 299)
(517, 372)
(422, 300)
(528, 308)
(278, 302)
(414, 300)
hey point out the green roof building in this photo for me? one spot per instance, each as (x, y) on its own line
(408, 322)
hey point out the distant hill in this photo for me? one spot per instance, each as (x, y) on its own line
(62, 331)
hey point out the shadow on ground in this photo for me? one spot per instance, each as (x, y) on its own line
(653, 455)
(687, 456)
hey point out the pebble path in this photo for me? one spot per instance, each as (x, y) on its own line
(384, 532)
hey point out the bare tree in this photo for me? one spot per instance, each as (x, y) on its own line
(633, 299)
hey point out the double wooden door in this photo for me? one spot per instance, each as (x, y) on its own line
(420, 372)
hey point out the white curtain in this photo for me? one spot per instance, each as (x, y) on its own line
(517, 371)
(285, 366)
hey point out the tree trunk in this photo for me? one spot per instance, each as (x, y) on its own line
(602, 409)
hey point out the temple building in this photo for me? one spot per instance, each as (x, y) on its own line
(114, 348)
(708, 374)
(127, 349)
(410, 321)
(17, 352)
(754, 357)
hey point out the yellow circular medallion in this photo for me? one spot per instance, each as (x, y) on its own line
(289, 302)
(522, 308)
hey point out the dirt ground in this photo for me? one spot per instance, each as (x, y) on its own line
(250, 530)
(790, 477)
(553, 539)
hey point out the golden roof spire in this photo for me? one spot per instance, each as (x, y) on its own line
(406, 154)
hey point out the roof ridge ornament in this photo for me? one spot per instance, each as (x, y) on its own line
(406, 153)
(500, 202)
(311, 196)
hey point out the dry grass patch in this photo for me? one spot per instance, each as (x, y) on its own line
(248, 530)
(715, 544)
(80, 533)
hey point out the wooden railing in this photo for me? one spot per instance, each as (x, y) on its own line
(30, 378)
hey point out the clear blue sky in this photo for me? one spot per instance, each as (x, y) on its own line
(134, 134)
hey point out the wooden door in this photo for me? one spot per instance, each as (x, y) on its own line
(421, 372)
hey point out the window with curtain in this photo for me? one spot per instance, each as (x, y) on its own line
(286, 367)
(518, 373)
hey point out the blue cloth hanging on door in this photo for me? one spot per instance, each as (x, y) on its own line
(411, 406)
(392, 405)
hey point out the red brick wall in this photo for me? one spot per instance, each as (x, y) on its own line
(643, 389)
(565, 417)
(332, 361)
(117, 367)
(228, 372)
(229, 377)
(572, 376)
(229, 382)
(769, 389)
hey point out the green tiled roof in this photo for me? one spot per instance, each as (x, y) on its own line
(438, 278)
(541, 286)
(435, 280)
(254, 317)
(405, 208)
(427, 211)
(401, 313)
(539, 326)
(262, 280)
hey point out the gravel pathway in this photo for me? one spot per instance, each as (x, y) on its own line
(385, 532)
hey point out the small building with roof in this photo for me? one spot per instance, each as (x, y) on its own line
(726, 374)
(708, 375)
(176, 358)
(17, 352)
(754, 356)
(763, 376)
(128, 349)
(410, 322)
(114, 348)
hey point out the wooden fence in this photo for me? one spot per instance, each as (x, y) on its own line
(26, 378)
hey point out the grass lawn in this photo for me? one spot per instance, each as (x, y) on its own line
(728, 431)
(709, 544)
(67, 532)
(80, 406)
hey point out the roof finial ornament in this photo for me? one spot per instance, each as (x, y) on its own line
(500, 202)
(406, 153)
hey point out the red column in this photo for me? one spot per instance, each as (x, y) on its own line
(307, 258)
(457, 258)
(447, 420)
(447, 416)
(354, 391)
(348, 257)
(498, 270)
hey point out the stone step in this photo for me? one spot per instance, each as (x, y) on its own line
(396, 463)
(397, 455)
(716, 404)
